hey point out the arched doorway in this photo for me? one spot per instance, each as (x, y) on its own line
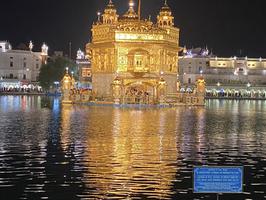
(140, 93)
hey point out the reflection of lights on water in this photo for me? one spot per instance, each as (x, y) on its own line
(139, 147)
(56, 105)
(24, 103)
(116, 121)
(162, 122)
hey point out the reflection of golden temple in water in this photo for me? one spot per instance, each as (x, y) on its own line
(128, 162)
(137, 52)
(125, 158)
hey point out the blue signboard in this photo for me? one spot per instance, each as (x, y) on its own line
(218, 179)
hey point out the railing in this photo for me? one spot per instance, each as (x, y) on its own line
(138, 100)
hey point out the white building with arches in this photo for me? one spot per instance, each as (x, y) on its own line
(20, 66)
(231, 77)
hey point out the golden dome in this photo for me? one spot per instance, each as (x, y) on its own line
(110, 6)
(130, 14)
(165, 7)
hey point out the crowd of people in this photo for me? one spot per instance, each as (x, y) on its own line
(134, 95)
(237, 94)
(33, 89)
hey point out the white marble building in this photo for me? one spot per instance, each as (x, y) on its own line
(224, 71)
(20, 65)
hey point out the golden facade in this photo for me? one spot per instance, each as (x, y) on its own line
(137, 51)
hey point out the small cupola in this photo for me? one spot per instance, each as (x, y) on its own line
(110, 14)
(131, 14)
(165, 18)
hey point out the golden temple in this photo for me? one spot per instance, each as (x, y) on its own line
(132, 56)
(134, 61)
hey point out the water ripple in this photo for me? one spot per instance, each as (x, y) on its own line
(79, 152)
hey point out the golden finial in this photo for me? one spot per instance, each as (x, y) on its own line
(131, 3)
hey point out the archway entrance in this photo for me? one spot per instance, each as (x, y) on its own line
(140, 93)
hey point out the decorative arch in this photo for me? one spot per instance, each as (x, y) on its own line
(140, 91)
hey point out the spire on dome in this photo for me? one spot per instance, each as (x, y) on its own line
(131, 14)
(165, 18)
(110, 5)
(165, 7)
(131, 4)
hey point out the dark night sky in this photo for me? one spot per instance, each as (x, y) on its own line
(225, 26)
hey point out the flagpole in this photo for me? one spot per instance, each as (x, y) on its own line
(139, 9)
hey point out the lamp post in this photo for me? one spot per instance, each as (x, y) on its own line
(99, 16)
(56, 87)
